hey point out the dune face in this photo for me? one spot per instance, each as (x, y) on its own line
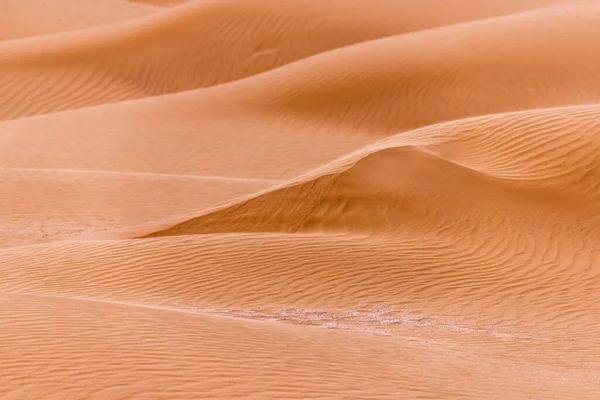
(394, 199)
(200, 44)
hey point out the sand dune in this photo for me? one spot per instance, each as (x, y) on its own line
(408, 81)
(451, 186)
(233, 39)
(288, 108)
(299, 199)
(416, 181)
(173, 129)
(544, 158)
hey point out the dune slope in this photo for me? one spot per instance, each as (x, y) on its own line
(156, 353)
(446, 199)
(544, 158)
(509, 63)
(40, 205)
(199, 44)
(266, 199)
(322, 99)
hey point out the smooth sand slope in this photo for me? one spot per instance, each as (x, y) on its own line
(187, 355)
(393, 85)
(487, 212)
(40, 17)
(203, 43)
(43, 205)
(321, 199)
(544, 157)
(277, 117)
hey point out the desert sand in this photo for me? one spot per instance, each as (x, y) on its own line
(265, 199)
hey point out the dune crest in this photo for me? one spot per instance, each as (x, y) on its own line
(393, 199)
(532, 159)
(201, 44)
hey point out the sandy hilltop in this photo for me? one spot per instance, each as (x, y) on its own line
(299, 199)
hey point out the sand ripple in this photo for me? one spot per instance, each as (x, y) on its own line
(299, 199)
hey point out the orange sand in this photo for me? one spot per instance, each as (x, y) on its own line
(264, 199)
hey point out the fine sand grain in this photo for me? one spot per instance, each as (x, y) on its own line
(265, 199)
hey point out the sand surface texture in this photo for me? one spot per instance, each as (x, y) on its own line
(269, 199)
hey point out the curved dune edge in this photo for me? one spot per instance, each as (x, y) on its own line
(524, 161)
(155, 55)
(286, 199)
(558, 136)
(450, 216)
(380, 95)
(404, 82)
